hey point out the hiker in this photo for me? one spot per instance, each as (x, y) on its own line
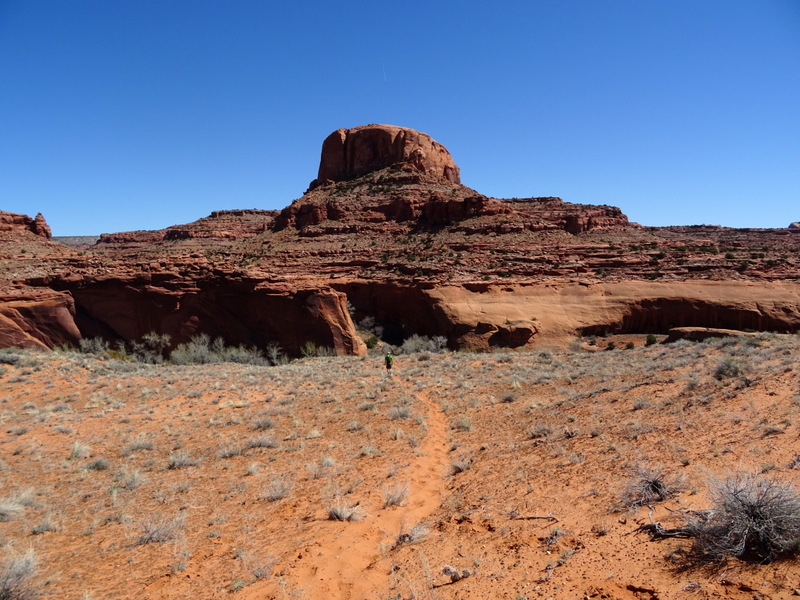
(389, 359)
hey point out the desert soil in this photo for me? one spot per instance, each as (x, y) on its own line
(139, 481)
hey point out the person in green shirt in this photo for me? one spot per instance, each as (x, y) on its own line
(389, 359)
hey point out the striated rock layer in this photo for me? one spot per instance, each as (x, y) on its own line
(389, 241)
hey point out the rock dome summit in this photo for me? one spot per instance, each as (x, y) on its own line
(351, 153)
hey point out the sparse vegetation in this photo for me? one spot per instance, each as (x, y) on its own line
(181, 460)
(753, 518)
(277, 489)
(156, 530)
(523, 434)
(395, 495)
(342, 511)
(650, 484)
(16, 573)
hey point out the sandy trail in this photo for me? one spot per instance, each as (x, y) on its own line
(353, 561)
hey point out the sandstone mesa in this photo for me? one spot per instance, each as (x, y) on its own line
(387, 231)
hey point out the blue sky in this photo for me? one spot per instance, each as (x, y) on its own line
(118, 115)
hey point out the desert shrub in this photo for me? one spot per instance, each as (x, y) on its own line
(137, 444)
(96, 345)
(611, 346)
(150, 349)
(79, 450)
(418, 343)
(648, 485)
(180, 460)
(538, 431)
(155, 530)
(262, 423)
(728, 367)
(229, 451)
(195, 352)
(459, 466)
(15, 575)
(311, 350)
(200, 350)
(277, 489)
(650, 339)
(10, 510)
(260, 441)
(130, 480)
(753, 518)
(99, 464)
(417, 532)
(341, 511)
(372, 342)
(275, 354)
(45, 526)
(395, 495)
(399, 412)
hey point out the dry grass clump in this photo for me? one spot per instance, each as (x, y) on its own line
(10, 510)
(649, 485)
(342, 511)
(415, 534)
(277, 489)
(399, 412)
(79, 450)
(156, 530)
(753, 518)
(727, 368)
(262, 423)
(181, 460)
(99, 464)
(261, 441)
(136, 445)
(395, 495)
(539, 431)
(15, 575)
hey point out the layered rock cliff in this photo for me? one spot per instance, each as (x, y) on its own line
(389, 236)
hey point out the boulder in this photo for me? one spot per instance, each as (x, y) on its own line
(351, 153)
(700, 334)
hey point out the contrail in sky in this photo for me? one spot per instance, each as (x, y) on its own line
(384, 71)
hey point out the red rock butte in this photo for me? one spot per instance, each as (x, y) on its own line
(350, 153)
(388, 235)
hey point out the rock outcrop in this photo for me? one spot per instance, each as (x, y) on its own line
(390, 237)
(351, 153)
(39, 319)
(15, 222)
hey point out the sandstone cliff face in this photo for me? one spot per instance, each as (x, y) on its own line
(41, 319)
(407, 246)
(351, 153)
(241, 312)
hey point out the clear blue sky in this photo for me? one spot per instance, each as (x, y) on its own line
(118, 115)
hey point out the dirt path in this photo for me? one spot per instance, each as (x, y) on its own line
(353, 561)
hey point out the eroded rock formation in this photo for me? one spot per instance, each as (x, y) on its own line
(351, 153)
(390, 237)
(15, 223)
